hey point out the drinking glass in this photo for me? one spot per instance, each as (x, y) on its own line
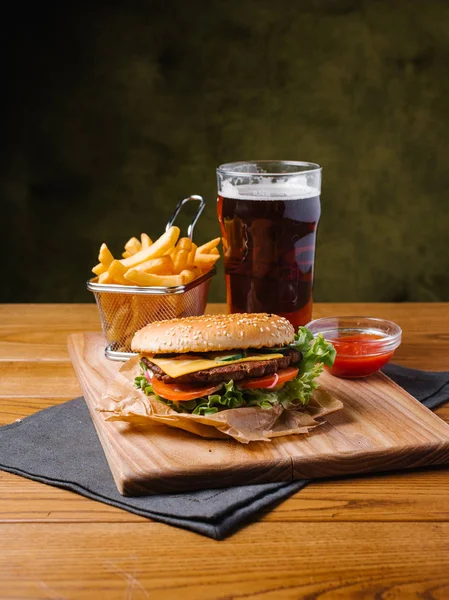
(268, 213)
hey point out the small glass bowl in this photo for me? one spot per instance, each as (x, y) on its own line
(363, 344)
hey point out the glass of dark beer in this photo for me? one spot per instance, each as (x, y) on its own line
(268, 213)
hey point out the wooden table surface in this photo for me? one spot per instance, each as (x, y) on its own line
(381, 536)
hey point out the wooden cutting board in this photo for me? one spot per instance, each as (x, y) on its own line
(380, 428)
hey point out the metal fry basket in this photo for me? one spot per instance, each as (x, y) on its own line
(124, 309)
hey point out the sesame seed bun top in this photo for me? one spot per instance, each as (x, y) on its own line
(210, 333)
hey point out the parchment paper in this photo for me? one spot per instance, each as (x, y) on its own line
(123, 401)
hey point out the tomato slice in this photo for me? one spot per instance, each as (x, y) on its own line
(269, 381)
(181, 392)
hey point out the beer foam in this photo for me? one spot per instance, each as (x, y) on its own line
(289, 190)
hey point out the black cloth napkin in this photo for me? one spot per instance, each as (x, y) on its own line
(59, 446)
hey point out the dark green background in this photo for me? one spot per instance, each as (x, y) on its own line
(112, 112)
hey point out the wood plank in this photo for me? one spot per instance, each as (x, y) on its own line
(423, 495)
(138, 457)
(268, 560)
(32, 315)
(23, 500)
(411, 314)
(417, 496)
(38, 380)
(18, 407)
(381, 428)
(423, 324)
(14, 408)
(39, 332)
(443, 412)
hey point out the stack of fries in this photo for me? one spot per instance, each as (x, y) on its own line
(167, 262)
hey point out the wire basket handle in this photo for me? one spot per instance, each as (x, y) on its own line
(178, 208)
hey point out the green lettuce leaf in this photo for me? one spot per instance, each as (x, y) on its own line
(314, 350)
(143, 384)
(297, 392)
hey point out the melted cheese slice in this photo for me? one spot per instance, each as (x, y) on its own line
(177, 367)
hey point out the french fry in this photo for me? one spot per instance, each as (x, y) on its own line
(195, 270)
(119, 321)
(116, 272)
(132, 325)
(188, 275)
(133, 245)
(149, 279)
(169, 261)
(105, 278)
(99, 269)
(158, 266)
(105, 255)
(160, 247)
(180, 260)
(205, 261)
(145, 241)
(206, 248)
(191, 257)
(184, 243)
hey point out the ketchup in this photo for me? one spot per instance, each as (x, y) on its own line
(358, 355)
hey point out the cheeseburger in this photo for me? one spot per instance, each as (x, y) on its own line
(204, 365)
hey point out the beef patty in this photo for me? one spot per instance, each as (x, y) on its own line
(237, 371)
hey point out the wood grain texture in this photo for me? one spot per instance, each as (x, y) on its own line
(381, 536)
(39, 332)
(380, 428)
(19, 407)
(51, 379)
(388, 497)
(269, 561)
(13, 408)
(161, 459)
